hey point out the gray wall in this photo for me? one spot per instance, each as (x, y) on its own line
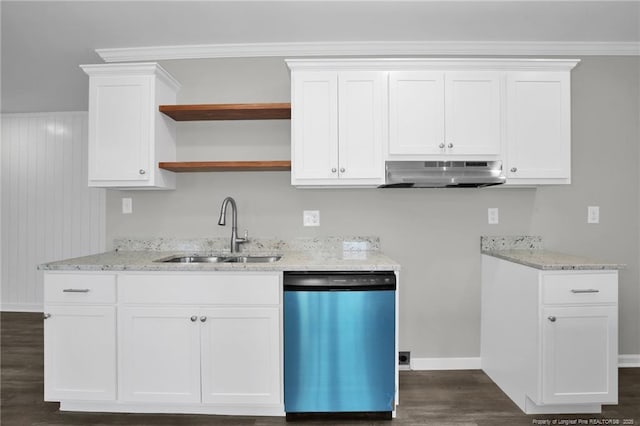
(434, 234)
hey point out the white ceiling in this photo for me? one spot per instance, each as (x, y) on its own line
(44, 42)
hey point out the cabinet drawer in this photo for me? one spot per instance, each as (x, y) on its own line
(80, 288)
(580, 288)
(200, 289)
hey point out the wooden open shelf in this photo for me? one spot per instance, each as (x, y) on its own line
(226, 166)
(262, 111)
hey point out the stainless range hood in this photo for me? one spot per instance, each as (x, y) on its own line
(443, 174)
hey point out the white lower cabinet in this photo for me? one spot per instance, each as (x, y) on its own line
(240, 350)
(79, 337)
(209, 355)
(204, 343)
(209, 340)
(549, 339)
(80, 349)
(159, 354)
(579, 355)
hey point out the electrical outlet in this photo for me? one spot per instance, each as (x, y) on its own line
(311, 218)
(593, 214)
(404, 357)
(493, 216)
(127, 206)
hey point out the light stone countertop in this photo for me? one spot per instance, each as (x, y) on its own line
(307, 254)
(291, 261)
(528, 251)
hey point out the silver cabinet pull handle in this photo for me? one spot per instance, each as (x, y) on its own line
(76, 290)
(333, 170)
(450, 145)
(552, 319)
(194, 318)
(203, 319)
(441, 146)
(514, 169)
(46, 316)
(586, 290)
(141, 171)
(342, 170)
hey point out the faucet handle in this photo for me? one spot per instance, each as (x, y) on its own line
(245, 238)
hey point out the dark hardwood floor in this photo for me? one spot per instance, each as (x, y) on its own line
(426, 397)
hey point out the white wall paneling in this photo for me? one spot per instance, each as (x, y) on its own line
(47, 211)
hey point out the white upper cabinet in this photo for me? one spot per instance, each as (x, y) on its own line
(416, 112)
(351, 115)
(361, 114)
(438, 113)
(472, 113)
(128, 136)
(338, 123)
(314, 114)
(538, 148)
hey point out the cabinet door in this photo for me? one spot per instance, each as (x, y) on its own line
(241, 356)
(579, 355)
(80, 353)
(314, 117)
(538, 126)
(120, 129)
(361, 114)
(159, 354)
(472, 113)
(416, 112)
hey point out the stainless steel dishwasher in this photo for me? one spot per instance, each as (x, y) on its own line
(339, 342)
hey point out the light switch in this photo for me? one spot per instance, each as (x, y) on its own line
(311, 218)
(493, 216)
(593, 214)
(127, 206)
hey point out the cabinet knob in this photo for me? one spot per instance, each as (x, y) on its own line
(141, 171)
(441, 145)
(450, 145)
(194, 318)
(552, 319)
(203, 319)
(46, 316)
(333, 170)
(514, 169)
(342, 170)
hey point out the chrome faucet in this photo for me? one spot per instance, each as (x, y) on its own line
(235, 241)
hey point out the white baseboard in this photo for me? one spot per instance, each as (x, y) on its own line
(473, 363)
(21, 307)
(445, 363)
(629, 360)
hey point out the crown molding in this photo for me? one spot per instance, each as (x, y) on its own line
(144, 68)
(378, 48)
(419, 64)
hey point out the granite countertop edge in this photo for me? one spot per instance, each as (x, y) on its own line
(547, 260)
(142, 260)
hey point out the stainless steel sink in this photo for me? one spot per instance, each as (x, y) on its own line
(193, 259)
(253, 259)
(220, 259)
